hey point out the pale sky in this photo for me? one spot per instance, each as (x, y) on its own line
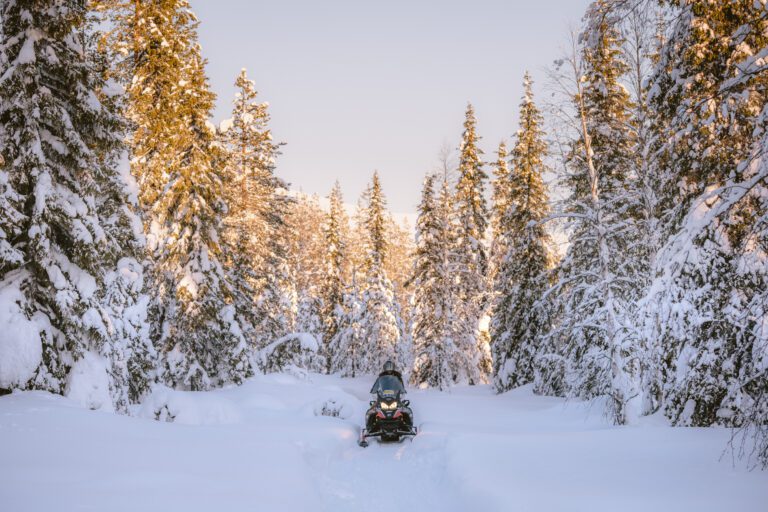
(355, 86)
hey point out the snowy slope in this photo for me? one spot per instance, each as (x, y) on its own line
(263, 447)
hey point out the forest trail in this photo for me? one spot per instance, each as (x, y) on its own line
(265, 446)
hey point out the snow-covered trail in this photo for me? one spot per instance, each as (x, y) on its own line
(264, 446)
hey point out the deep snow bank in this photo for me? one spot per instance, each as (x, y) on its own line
(287, 443)
(20, 347)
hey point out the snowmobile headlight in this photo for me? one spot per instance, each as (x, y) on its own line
(388, 407)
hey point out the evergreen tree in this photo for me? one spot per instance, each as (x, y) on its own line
(261, 216)
(11, 201)
(67, 231)
(277, 303)
(380, 325)
(309, 318)
(709, 92)
(123, 295)
(181, 177)
(433, 311)
(306, 244)
(500, 203)
(398, 265)
(469, 358)
(251, 155)
(151, 42)
(346, 348)
(598, 275)
(332, 293)
(522, 279)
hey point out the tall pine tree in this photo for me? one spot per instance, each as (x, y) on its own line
(249, 154)
(332, 294)
(470, 357)
(434, 309)
(499, 207)
(519, 321)
(68, 240)
(709, 92)
(380, 324)
(181, 173)
(346, 348)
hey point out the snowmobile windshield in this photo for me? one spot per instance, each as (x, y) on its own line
(388, 385)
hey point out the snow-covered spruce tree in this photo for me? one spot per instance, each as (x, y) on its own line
(124, 296)
(753, 414)
(345, 350)
(332, 291)
(181, 177)
(12, 217)
(250, 153)
(277, 303)
(706, 314)
(308, 316)
(306, 244)
(380, 324)
(200, 340)
(432, 282)
(12, 221)
(499, 206)
(598, 276)
(398, 265)
(148, 42)
(519, 322)
(256, 223)
(151, 41)
(471, 359)
(70, 250)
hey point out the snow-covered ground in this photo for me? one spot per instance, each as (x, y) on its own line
(265, 446)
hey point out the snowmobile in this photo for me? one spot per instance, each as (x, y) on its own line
(390, 418)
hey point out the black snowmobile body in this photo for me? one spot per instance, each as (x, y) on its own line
(390, 417)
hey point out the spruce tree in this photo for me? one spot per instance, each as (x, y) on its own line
(260, 214)
(181, 175)
(499, 207)
(68, 240)
(398, 265)
(433, 310)
(250, 161)
(469, 358)
(12, 216)
(519, 322)
(597, 285)
(709, 92)
(332, 293)
(306, 244)
(346, 348)
(277, 303)
(380, 324)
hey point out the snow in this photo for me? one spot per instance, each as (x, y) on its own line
(88, 383)
(27, 52)
(275, 444)
(112, 88)
(188, 408)
(226, 125)
(292, 353)
(20, 347)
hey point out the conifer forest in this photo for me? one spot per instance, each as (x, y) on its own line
(601, 272)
